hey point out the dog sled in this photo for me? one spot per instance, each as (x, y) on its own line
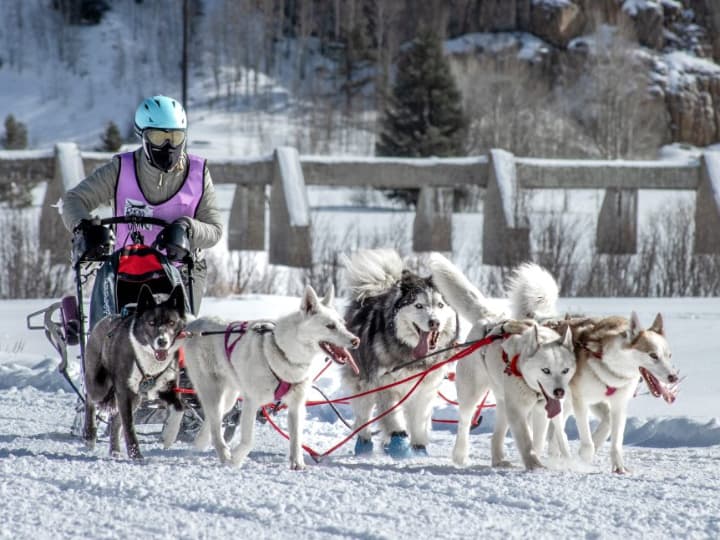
(119, 273)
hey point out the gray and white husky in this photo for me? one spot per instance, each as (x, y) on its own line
(528, 373)
(128, 358)
(400, 318)
(261, 362)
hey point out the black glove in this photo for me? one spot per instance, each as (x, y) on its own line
(175, 240)
(91, 241)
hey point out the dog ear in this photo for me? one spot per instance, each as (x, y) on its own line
(568, 340)
(635, 325)
(329, 296)
(310, 302)
(657, 325)
(176, 301)
(145, 300)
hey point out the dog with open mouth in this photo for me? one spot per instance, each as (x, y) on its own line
(260, 362)
(612, 354)
(402, 320)
(129, 358)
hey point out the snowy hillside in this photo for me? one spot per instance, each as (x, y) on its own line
(51, 486)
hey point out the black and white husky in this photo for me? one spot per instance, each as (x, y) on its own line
(129, 358)
(400, 318)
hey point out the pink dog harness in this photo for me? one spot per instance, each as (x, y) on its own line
(240, 328)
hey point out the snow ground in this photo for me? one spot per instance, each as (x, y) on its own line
(52, 486)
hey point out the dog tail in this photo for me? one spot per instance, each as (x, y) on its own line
(533, 293)
(371, 272)
(457, 290)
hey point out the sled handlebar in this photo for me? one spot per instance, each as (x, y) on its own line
(139, 220)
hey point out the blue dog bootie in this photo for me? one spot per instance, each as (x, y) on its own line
(363, 447)
(399, 446)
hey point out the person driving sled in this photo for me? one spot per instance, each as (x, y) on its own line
(159, 179)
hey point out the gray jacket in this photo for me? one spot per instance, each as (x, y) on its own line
(98, 189)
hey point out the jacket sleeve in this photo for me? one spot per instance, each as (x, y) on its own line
(206, 227)
(95, 190)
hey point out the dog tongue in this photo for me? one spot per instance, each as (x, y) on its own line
(161, 355)
(343, 356)
(657, 388)
(421, 349)
(552, 406)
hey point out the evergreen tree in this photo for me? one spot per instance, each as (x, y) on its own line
(111, 139)
(424, 115)
(15, 134)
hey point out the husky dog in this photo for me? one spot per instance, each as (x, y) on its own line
(400, 318)
(610, 351)
(131, 357)
(529, 373)
(261, 362)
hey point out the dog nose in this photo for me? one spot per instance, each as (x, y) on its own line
(434, 324)
(162, 342)
(355, 342)
(559, 393)
(672, 378)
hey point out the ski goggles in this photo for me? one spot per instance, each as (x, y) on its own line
(158, 137)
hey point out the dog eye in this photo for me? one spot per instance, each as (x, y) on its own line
(546, 371)
(654, 356)
(564, 371)
(331, 326)
(171, 323)
(419, 305)
(151, 323)
(440, 305)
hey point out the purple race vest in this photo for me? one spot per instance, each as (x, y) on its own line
(130, 200)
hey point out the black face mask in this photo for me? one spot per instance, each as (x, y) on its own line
(164, 157)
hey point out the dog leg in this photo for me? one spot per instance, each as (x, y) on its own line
(115, 425)
(540, 429)
(600, 435)
(212, 427)
(469, 396)
(90, 428)
(247, 431)
(618, 418)
(517, 417)
(498, 436)
(127, 402)
(587, 448)
(296, 418)
(558, 437)
(418, 410)
(362, 409)
(172, 427)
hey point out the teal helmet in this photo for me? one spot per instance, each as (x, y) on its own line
(161, 124)
(160, 112)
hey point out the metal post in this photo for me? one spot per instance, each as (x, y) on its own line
(185, 36)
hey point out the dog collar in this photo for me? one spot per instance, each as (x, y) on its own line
(511, 367)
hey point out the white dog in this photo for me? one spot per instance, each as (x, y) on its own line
(610, 351)
(529, 372)
(260, 362)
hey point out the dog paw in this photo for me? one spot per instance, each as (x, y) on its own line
(297, 465)
(502, 464)
(399, 446)
(587, 452)
(534, 465)
(420, 450)
(363, 447)
(620, 469)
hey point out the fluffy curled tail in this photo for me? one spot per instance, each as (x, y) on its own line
(371, 272)
(457, 290)
(533, 293)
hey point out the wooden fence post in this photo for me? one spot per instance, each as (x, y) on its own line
(246, 225)
(432, 228)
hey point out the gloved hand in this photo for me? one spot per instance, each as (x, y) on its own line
(175, 240)
(91, 240)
